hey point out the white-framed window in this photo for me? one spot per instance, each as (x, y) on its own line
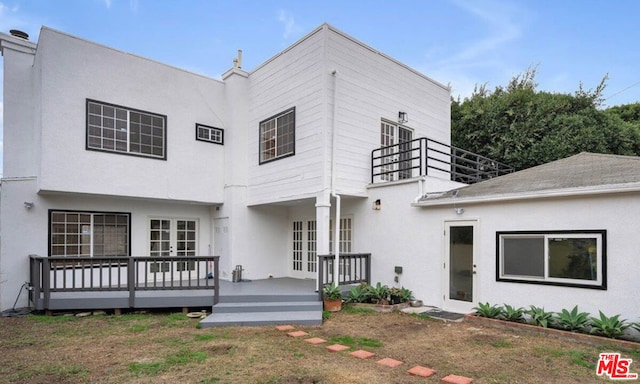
(277, 136)
(209, 134)
(113, 128)
(345, 233)
(571, 258)
(88, 234)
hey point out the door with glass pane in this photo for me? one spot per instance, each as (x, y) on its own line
(396, 155)
(303, 249)
(460, 266)
(172, 237)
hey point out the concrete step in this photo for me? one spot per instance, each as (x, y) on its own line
(279, 306)
(268, 298)
(262, 318)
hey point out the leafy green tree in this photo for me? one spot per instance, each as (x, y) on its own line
(523, 127)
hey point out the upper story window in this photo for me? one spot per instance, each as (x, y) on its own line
(569, 258)
(277, 136)
(209, 134)
(113, 128)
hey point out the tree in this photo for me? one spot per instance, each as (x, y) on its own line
(523, 127)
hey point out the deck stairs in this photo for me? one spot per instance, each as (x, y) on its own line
(265, 308)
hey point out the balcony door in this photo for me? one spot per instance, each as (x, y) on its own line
(396, 155)
(176, 238)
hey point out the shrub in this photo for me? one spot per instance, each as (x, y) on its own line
(513, 314)
(572, 321)
(358, 294)
(487, 310)
(406, 295)
(608, 326)
(539, 316)
(378, 293)
(332, 292)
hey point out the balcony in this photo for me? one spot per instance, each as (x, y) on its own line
(426, 157)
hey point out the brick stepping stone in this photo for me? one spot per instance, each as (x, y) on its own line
(455, 379)
(360, 354)
(297, 334)
(337, 348)
(421, 371)
(315, 340)
(389, 362)
(285, 328)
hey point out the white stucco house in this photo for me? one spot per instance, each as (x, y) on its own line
(145, 167)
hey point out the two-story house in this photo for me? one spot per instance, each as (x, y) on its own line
(328, 148)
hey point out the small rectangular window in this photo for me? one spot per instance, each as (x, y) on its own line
(571, 258)
(209, 134)
(277, 136)
(114, 128)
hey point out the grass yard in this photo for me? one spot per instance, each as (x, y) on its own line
(169, 348)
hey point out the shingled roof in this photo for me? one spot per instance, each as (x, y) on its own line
(584, 173)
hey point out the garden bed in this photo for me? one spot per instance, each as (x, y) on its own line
(557, 333)
(384, 308)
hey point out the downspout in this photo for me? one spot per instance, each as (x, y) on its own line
(421, 181)
(336, 236)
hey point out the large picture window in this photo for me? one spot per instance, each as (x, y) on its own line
(573, 258)
(277, 136)
(113, 128)
(88, 234)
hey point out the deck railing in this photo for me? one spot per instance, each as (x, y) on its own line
(132, 274)
(353, 268)
(426, 157)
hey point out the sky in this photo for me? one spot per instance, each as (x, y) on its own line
(461, 43)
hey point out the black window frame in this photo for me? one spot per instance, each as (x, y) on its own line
(50, 233)
(511, 279)
(260, 134)
(210, 128)
(128, 151)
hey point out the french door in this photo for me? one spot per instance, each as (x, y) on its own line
(172, 237)
(304, 262)
(396, 155)
(460, 279)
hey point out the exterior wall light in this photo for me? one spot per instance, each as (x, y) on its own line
(459, 211)
(377, 205)
(403, 117)
(28, 204)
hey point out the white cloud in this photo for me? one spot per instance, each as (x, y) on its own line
(289, 23)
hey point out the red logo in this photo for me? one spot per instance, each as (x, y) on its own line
(614, 366)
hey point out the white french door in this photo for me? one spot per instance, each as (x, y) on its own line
(397, 158)
(304, 262)
(460, 278)
(172, 237)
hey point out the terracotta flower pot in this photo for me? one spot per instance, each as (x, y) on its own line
(332, 305)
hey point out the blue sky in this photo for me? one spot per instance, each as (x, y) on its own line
(457, 42)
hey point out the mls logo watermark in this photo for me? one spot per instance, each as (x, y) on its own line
(614, 366)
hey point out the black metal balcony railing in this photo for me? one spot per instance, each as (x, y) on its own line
(134, 273)
(426, 157)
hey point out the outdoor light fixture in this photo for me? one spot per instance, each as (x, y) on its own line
(403, 117)
(459, 211)
(377, 205)
(28, 204)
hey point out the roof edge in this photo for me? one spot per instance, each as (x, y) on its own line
(553, 193)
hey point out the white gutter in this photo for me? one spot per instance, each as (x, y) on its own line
(336, 236)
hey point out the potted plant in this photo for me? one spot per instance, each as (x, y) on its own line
(332, 298)
(395, 296)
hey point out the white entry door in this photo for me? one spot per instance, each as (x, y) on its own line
(396, 155)
(172, 237)
(460, 278)
(303, 249)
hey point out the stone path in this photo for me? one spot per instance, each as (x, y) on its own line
(361, 354)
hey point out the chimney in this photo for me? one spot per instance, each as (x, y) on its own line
(19, 34)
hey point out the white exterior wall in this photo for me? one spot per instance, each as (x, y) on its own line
(25, 231)
(294, 78)
(616, 213)
(371, 86)
(73, 70)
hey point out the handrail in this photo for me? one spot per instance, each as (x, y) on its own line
(132, 274)
(424, 157)
(354, 268)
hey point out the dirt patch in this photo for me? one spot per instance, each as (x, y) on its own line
(168, 348)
